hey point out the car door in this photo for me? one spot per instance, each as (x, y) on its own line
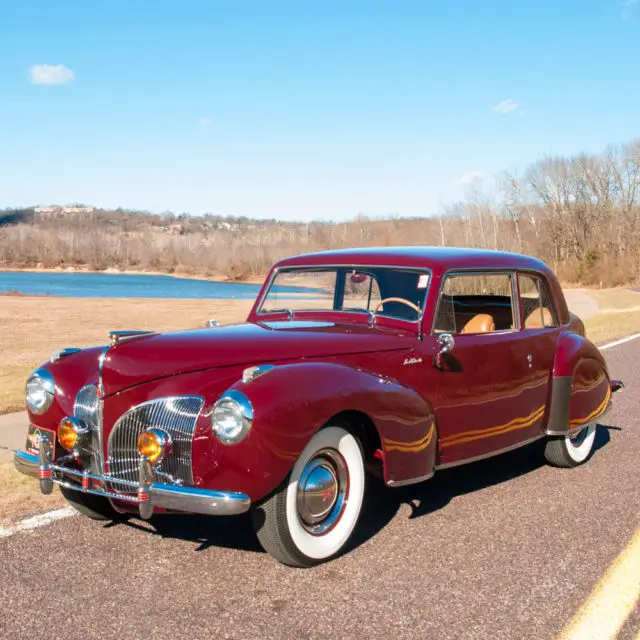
(485, 402)
(539, 333)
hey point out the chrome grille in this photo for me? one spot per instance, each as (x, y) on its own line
(177, 416)
(87, 408)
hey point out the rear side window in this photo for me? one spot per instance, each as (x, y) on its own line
(538, 311)
(475, 303)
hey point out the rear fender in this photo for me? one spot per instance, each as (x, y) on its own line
(581, 388)
(292, 402)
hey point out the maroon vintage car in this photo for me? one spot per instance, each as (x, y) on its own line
(395, 362)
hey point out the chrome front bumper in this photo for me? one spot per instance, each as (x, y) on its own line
(146, 494)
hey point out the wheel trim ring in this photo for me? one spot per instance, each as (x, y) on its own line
(330, 521)
(579, 438)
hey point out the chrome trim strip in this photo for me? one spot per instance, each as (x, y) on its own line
(67, 351)
(490, 454)
(97, 492)
(251, 373)
(320, 267)
(404, 483)
(101, 359)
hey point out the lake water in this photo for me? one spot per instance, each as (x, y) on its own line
(115, 285)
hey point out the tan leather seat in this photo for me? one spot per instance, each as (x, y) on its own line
(482, 323)
(538, 319)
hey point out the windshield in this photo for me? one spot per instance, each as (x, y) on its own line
(386, 291)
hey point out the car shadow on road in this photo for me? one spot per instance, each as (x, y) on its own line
(233, 532)
(381, 504)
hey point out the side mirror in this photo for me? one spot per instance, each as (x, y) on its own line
(446, 344)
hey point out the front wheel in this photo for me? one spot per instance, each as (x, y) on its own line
(571, 451)
(310, 518)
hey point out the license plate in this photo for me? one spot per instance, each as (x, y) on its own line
(34, 436)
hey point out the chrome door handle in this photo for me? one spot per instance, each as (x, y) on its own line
(446, 344)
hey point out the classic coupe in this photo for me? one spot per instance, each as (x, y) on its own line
(394, 362)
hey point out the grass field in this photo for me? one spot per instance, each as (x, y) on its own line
(32, 327)
(619, 314)
(615, 299)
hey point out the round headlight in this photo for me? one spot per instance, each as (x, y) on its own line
(39, 391)
(232, 417)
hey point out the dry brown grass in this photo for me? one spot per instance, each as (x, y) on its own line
(32, 327)
(20, 495)
(618, 298)
(604, 327)
(619, 314)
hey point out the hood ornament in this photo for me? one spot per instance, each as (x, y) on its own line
(117, 336)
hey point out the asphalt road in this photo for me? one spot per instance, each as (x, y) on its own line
(505, 548)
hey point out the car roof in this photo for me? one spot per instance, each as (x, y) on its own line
(435, 258)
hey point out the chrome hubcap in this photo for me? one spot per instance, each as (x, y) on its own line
(322, 491)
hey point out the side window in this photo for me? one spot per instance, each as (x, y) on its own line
(475, 303)
(361, 291)
(537, 306)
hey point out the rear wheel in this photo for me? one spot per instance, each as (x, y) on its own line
(94, 507)
(571, 451)
(310, 518)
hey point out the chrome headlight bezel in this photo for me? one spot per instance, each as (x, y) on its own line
(232, 417)
(40, 390)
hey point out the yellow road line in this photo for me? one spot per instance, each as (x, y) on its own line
(612, 600)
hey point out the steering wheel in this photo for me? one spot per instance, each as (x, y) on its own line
(415, 307)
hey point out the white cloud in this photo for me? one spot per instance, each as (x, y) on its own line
(205, 121)
(506, 106)
(472, 176)
(50, 74)
(628, 7)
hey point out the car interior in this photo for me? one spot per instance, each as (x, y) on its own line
(483, 304)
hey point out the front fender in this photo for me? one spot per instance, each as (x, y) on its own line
(293, 401)
(581, 389)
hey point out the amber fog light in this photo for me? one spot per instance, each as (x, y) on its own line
(154, 445)
(72, 433)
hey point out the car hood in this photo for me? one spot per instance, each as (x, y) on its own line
(155, 356)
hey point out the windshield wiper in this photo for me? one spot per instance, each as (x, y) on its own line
(290, 312)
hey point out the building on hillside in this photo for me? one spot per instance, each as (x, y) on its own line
(56, 211)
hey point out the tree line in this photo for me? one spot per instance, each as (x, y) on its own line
(580, 214)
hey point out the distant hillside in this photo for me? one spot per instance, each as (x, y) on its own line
(580, 214)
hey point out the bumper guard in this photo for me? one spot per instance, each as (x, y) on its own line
(146, 493)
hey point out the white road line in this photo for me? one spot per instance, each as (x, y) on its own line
(34, 522)
(612, 600)
(635, 336)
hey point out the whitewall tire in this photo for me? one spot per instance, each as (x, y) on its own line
(311, 517)
(571, 451)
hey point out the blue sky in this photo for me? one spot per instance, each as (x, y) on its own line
(303, 109)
